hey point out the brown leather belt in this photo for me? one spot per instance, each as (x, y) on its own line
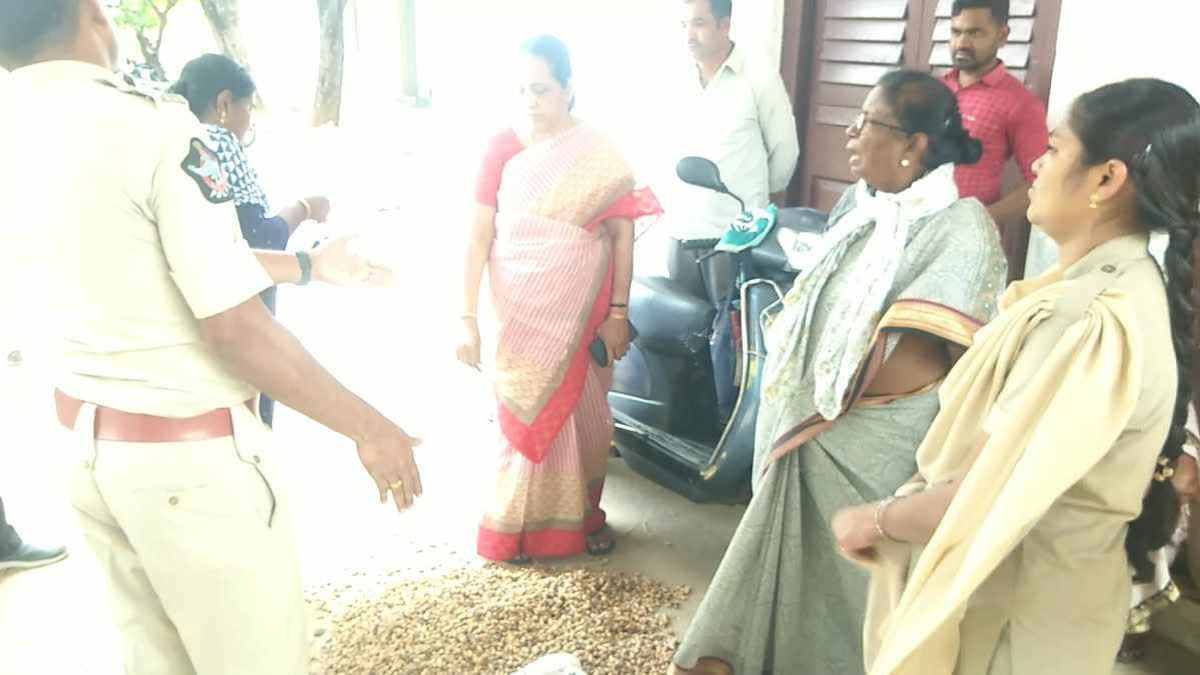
(124, 427)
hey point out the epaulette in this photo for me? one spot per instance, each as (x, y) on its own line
(1074, 302)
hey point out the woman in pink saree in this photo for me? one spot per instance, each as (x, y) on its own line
(554, 227)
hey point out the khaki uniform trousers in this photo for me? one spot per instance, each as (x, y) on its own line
(194, 541)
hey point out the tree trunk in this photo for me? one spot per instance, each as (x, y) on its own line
(408, 46)
(151, 49)
(224, 20)
(328, 105)
(150, 56)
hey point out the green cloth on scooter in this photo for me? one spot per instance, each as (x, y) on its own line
(749, 230)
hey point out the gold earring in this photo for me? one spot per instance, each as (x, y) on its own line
(222, 118)
(1094, 202)
(905, 163)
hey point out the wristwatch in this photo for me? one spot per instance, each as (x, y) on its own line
(305, 266)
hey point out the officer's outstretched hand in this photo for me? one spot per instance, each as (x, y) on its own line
(336, 262)
(387, 455)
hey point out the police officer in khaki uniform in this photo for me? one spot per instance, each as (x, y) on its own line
(166, 344)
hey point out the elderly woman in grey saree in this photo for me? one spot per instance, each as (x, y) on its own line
(888, 299)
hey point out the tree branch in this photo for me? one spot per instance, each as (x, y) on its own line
(162, 22)
(162, 30)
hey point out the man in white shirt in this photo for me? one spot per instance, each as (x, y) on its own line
(737, 113)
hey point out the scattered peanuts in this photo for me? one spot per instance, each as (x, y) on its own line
(496, 619)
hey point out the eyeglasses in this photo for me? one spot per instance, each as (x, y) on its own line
(862, 121)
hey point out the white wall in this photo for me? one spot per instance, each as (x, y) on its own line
(1103, 41)
(758, 25)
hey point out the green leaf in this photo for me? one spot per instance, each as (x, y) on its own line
(139, 15)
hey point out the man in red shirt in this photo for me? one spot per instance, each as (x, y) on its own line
(998, 110)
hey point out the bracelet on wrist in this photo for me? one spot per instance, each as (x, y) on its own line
(880, 512)
(307, 209)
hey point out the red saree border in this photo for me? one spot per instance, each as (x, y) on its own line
(551, 542)
(533, 440)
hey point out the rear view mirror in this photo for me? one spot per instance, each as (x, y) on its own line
(703, 173)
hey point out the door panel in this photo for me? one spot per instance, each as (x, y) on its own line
(865, 30)
(867, 9)
(858, 42)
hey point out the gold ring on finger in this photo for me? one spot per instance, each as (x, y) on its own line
(398, 485)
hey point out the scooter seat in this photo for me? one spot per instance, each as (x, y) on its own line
(668, 318)
(769, 258)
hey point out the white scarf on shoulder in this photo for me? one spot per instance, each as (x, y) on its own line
(886, 218)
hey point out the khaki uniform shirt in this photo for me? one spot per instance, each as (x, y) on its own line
(116, 189)
(1059, 603)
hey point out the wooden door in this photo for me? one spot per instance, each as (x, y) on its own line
(855, 42)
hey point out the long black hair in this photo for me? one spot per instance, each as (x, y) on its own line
(924, 104)
(1154, 128)
(205, 77)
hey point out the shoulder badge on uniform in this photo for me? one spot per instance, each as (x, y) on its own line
(203, 166)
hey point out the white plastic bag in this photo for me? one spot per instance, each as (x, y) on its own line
(553, 664)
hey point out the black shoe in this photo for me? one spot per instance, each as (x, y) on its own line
(28, 557)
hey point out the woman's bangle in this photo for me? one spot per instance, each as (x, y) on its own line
(307, 208)
(880, 512)
(469, 316)
(622, 305)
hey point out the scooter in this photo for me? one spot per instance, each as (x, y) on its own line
(671, 423)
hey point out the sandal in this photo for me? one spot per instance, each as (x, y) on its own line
(601, 542)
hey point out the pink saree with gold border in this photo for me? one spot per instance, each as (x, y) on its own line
(551, 281)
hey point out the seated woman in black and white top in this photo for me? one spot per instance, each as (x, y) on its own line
(221, 93)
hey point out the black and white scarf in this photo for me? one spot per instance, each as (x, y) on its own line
(247, 191)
